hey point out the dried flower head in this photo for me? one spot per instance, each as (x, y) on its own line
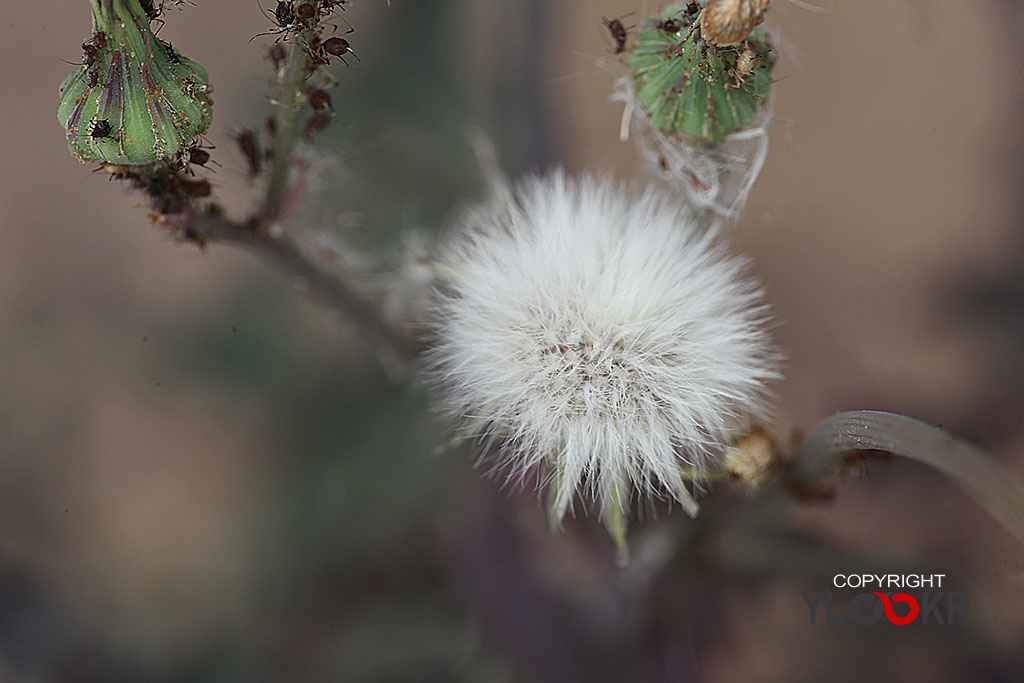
(724, 22)
(602, 338)
(753, 457)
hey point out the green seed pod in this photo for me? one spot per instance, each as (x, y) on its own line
(134, 100)
(689, 86)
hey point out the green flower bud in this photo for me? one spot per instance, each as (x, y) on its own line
(134, 100)
(689, 86)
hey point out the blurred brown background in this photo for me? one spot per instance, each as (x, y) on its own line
(203, 479)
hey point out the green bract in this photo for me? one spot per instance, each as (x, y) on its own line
(690, 87)
(135, 100)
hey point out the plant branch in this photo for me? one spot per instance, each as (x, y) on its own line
(287, 124)
(284, 255)
(981, 476)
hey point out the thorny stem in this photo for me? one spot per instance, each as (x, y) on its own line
(981, 476)
(287, 124)
(285, 256)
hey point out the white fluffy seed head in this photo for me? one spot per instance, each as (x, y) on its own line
(601, 337)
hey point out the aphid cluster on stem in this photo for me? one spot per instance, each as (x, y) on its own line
(170, 185)
(292, 18)
(301, 25)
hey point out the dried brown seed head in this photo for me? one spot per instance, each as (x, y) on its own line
(753, 458)
(724, 22)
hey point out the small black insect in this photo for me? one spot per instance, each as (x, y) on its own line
(172, 54)
(195, 154)
(151, 11)
(618, 31)
(100, 129)
(336, 46)
(277, 54)
(287, 20)
(305, 12)
(199, 157)
(283, 14)
(668, 26)
(250, 149)
(319, 99)
(91, 53)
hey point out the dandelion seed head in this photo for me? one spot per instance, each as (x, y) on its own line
(602, 337)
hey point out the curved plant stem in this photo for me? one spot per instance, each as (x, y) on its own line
(981, 476)
(259, 235)
(287, 125)
(284, 255)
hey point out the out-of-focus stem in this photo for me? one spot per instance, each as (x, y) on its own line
(256, 235)
(324, 289)
(981, 476)
(287, 124)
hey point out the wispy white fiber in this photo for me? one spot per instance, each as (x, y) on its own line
(598, 335)
(717, 179)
